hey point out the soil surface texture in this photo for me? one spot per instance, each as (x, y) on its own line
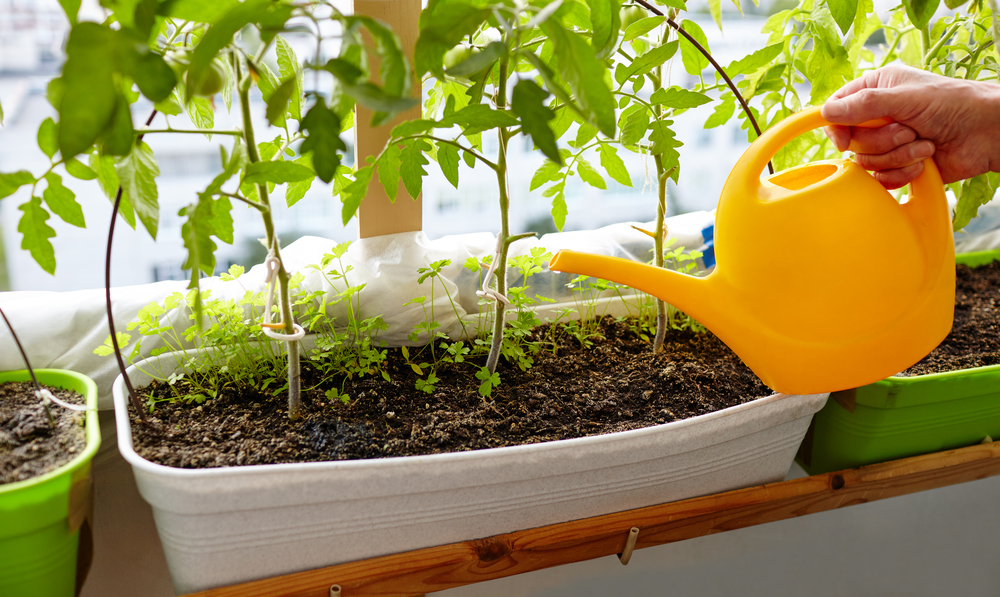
(613, 386)
(974, 340)
(29, 446)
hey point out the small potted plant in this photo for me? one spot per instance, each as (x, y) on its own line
(46, 447)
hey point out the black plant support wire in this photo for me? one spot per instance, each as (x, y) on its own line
(31, 370)
(133, 397)
(716, 65)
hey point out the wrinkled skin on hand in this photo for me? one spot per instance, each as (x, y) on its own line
(957, 122)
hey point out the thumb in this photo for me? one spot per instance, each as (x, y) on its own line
(865, 105)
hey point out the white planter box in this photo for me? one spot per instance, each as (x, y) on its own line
(226, 525)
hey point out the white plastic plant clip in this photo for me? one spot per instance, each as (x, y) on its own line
(626, 554)
(271, 264)
(487, 291)
(45, 395)
(335, 591)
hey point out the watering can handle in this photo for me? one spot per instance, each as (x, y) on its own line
(751, 165)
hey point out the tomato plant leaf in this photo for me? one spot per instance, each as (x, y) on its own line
(72, 9)
(48, 137)
(641, 65)
(547, 172)
(973, 194)
(663, 142)
(642, 27)
(614, 165)
(117, 138)
(476, 118)
(276, 172)
(197, 11)
(442, 25)
(288, 69)
(635, 123)
(749, 64)
(605, 23)
(723, 111)
(558, 210)
(589, 174)
(62, 201)
(411, 165)
(843, 12)
(374, 98)
(9, 183)
(920, 12)
(679, 98)
(154, 77)
(447, 157)
(323, 142)
(388, 170)
(88, 101)
(694, 61)
(137, 172)
(715, 8)
(295, 191)
(77, 169)
(528, 102)
(585, 75)
(354, 193)
(278, 103)
(36, 234)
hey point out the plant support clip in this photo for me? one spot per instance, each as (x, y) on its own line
(626, 554)
(271, 265)
(487, 291)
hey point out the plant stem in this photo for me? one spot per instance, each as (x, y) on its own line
(925, 45)
(190, 132)
(284, 298)
(503, 242)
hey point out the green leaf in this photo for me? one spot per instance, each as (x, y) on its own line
(635, 123)
(676, 97)
(197, 11)
(376, 99)
(589, 174)
(48, 137)
(137, 173)
(169, 106)
(196, 232)
(388, 170)
(585, 134)
(343, 70)
(476, 118)
(614, 165)
(953, 4)
(220, 35)
(154, 77)
(277, 105)
(447, 157)
(9, 183)
(442, 26)
(605, 23)
(585, 75)
(323, 142)
(411, 165)
(295, 191)
(547, 172)
(276, 172)
(723, 112)
(478, 61)
(393, 70)
(528, 102)
(89, 98)
(843, 12)
(715, 7)
(72, 9)
(664, 142)
(642, 27)
(558, 211)
(107, 177)
(646, 62)
(288, 68)
(749, 64)
(828, 70)
(117, 138)
(974, 193)
(694, 61)
(36, 234)
(62, 201)
(354, 193)
(920, 12)
(77, 169)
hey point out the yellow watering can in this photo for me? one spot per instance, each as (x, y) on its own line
(823, 281)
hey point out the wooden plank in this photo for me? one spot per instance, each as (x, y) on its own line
(438, 568)
(377, 215)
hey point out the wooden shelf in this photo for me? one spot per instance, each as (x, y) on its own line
(423, 571)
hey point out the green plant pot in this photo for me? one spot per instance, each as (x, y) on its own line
(40, 518)
(906, 416)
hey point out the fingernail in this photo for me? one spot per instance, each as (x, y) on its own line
(921, 150)
(834, 109)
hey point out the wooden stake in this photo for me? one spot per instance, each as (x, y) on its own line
(377, 215)
(438, 568)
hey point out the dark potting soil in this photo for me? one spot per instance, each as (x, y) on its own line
(616, 385)
(974, 340)
(29, 446)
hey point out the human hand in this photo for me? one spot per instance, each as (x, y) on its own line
(954, 120)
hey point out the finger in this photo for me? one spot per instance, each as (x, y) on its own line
(899, 177)
(867, 104)
(897, 158)
(840, 135)
(869, 79)
(882, 139)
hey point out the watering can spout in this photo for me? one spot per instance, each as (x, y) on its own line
(695, 296)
